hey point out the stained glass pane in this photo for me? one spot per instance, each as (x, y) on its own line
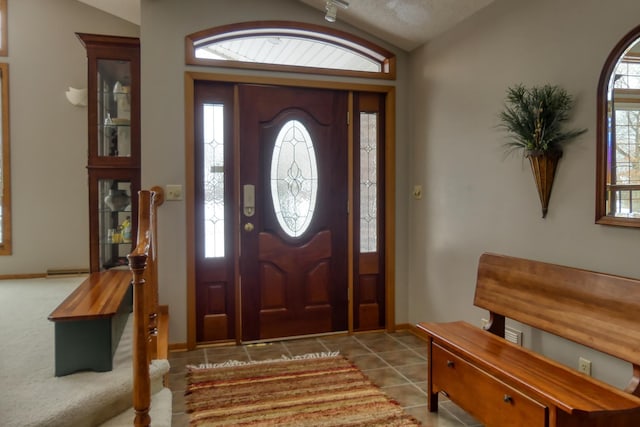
(214, 237)
(294, 178)
(368, 182)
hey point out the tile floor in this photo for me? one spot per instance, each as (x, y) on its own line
(396, 362)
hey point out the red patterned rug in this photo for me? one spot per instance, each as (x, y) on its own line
(305, 391)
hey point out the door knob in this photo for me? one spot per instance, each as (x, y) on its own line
(248, 227)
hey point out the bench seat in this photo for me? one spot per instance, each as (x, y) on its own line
(553, 385)
(90, 322)
(503, 384)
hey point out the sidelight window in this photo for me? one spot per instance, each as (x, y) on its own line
(368, 182)
(213, 123)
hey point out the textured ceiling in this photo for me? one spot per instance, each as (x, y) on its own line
(406, 24)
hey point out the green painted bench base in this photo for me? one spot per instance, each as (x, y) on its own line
(89, 344)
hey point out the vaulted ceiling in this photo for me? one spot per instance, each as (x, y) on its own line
(406, 24)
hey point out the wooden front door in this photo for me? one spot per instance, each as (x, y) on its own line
(293, 211)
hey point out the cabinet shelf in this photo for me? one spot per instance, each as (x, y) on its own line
(121, 125)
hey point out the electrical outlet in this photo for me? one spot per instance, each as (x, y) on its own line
(584, 366)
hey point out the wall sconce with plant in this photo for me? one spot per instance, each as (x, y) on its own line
(533, 118)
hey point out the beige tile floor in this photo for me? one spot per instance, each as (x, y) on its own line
(396, 362)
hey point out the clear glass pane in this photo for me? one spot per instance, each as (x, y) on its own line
(114, 108)
(626, 161)
(368, 182)
(294, 178)
(626, 203)
(627, 75)
(289, 50)
(114, 222)
(214, 236)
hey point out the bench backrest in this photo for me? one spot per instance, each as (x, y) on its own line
(598, 310)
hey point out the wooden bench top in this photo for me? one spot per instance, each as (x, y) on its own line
(99, 296)
(530, 372)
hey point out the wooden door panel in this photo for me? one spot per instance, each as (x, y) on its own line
(369, 310)
(317, 285)
(369, 287)
(273, 249)
(215, 319)
(214, 275)
(302, 275)
(294, 284)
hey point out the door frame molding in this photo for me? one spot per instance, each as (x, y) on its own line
(190, 77)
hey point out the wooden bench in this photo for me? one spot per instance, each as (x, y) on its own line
(90, 322)
(501, 383)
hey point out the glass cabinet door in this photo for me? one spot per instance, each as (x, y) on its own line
(114, 108)
(115, 222)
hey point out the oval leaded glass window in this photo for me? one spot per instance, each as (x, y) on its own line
(294, 178)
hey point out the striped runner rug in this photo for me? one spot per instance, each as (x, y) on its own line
(310, 390)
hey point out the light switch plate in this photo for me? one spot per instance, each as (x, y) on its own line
(174, 192)
(417, 192)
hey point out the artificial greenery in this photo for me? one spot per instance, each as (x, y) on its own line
(533, 118)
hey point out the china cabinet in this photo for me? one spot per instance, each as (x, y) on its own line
(113, 146)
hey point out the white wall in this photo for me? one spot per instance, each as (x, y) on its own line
(50, 207)
(477, 200)
(165, 23)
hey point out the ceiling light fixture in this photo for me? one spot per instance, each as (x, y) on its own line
(332, 9)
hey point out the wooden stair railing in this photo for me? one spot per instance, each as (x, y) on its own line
(144, 269)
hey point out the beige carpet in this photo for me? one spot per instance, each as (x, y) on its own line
(30, 394)
(314, 391)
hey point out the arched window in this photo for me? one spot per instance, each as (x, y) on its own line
(618, 137)
(289, 46)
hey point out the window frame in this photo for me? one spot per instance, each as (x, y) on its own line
(289, 28)
(4, 49)
(5, 242)
(603, 116)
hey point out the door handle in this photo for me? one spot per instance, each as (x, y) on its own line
(248, 227)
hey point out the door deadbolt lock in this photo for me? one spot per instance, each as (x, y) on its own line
(249, 200)
(248, 227)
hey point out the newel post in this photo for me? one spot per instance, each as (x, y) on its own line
(141, 383)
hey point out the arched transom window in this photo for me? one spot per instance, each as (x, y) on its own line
(289, 46)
